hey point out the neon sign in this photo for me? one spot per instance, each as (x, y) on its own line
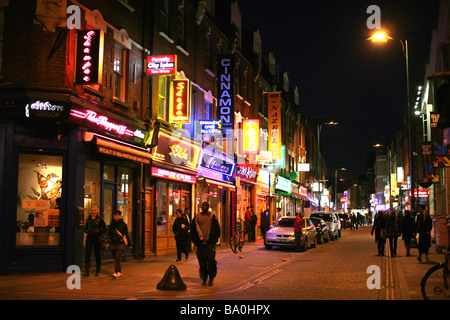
(89, 56)
(225, 101)
(173, 175)
(180, 101)
(162, 65)
(217, 162)
(251, 135)
(102, 121)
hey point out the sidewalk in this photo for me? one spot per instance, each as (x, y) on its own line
(140, 278)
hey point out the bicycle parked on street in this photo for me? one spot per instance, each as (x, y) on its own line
(435, 283)
(236, 240)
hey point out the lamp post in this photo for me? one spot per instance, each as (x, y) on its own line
(381, 37)
(335, 186)
(319, 129)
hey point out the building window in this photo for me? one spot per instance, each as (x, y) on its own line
(39, 196)
(119, 72)
(180, 27)
(163, 98)
(164, 19)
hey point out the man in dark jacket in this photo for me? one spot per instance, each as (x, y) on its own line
(95, 227)
(205, 232)
(181, 230)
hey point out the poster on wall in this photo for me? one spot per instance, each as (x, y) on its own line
(39, 195)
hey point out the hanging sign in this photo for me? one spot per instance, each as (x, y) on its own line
(225, 92)
(173, 175)
(162, 65)
(251, 135)
(274, 103)
(180, 102)
(89, 57)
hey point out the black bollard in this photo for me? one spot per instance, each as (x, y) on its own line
(171, 280)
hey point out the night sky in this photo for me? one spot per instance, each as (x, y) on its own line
(323, 47)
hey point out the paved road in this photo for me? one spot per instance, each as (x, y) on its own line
(333, 271)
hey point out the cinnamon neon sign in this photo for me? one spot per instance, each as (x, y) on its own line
(102, 121)
(89, 57)
(180, 101)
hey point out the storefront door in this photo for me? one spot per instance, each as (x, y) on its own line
(109, 201)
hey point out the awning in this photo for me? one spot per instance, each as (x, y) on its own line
(220, 185)
(122, 151)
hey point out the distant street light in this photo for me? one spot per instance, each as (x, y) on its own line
(382, 37)
(335, 186)
(319, 129)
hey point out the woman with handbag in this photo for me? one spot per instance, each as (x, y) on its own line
(379, 228)
(95, 227)
(119, 239)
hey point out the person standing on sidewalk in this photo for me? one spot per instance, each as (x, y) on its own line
(378, 225)
(408, 231)
(298, 228)
(424, 226)
(119, 239)
(95, 227)
(205, 232)
(180, 229)
(392, 229)
(253, 221)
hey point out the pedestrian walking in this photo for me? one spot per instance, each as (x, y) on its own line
(95, 228)
(205, 232)
(424, 226)
(187, 216)
(408, 229)
(253, 221)
(119, 239)
(298, 228)
(264, 223)
(247, 222)
(392, 229)
(379, 228)
(180, 229)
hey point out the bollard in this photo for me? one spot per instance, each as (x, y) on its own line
(171, 280)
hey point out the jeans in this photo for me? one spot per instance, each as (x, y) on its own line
(206, 256)
(92, 242)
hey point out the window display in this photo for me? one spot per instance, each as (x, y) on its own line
(38, 200)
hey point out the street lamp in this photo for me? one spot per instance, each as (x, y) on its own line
(382, 37)
(335, 186)
(319, 129)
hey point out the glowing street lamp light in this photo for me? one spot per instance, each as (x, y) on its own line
(383, 37)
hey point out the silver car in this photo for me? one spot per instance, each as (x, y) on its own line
(283, 234)
(331, 220)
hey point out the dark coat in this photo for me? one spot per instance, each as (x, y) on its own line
(95, 228)
(379, 223)
(424, 230)
(408, 227)
(392, 226)
(214, 234)
(115, 240)
(180, 233)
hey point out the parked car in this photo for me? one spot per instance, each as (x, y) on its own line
(282, 234)
(331, 220)
(322, 230)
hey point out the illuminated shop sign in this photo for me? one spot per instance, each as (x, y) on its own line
(274, 103)
(210, 126)
(162, 65)
(264, 156)
(218, 163)
(283, 184)
(89, 57)
(173, 175)
(302, 191)
(180, 102)
(106, 124)
(176, 150)
(250, 129)
(225, 100)
(45, 110)
(247, 172)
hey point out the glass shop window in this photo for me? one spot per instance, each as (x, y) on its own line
(39, 197)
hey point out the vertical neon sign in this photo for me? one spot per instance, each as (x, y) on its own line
(180, 112)
(89, 57)
(251, 135)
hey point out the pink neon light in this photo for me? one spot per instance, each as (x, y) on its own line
(87, 50)
(102, 121)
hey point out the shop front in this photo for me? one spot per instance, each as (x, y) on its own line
(215, 185)
(283, 189)
(173, 177)
(247, 175)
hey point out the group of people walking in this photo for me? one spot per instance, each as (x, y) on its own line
(204, 232)
(389, 225)
(99, 236)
